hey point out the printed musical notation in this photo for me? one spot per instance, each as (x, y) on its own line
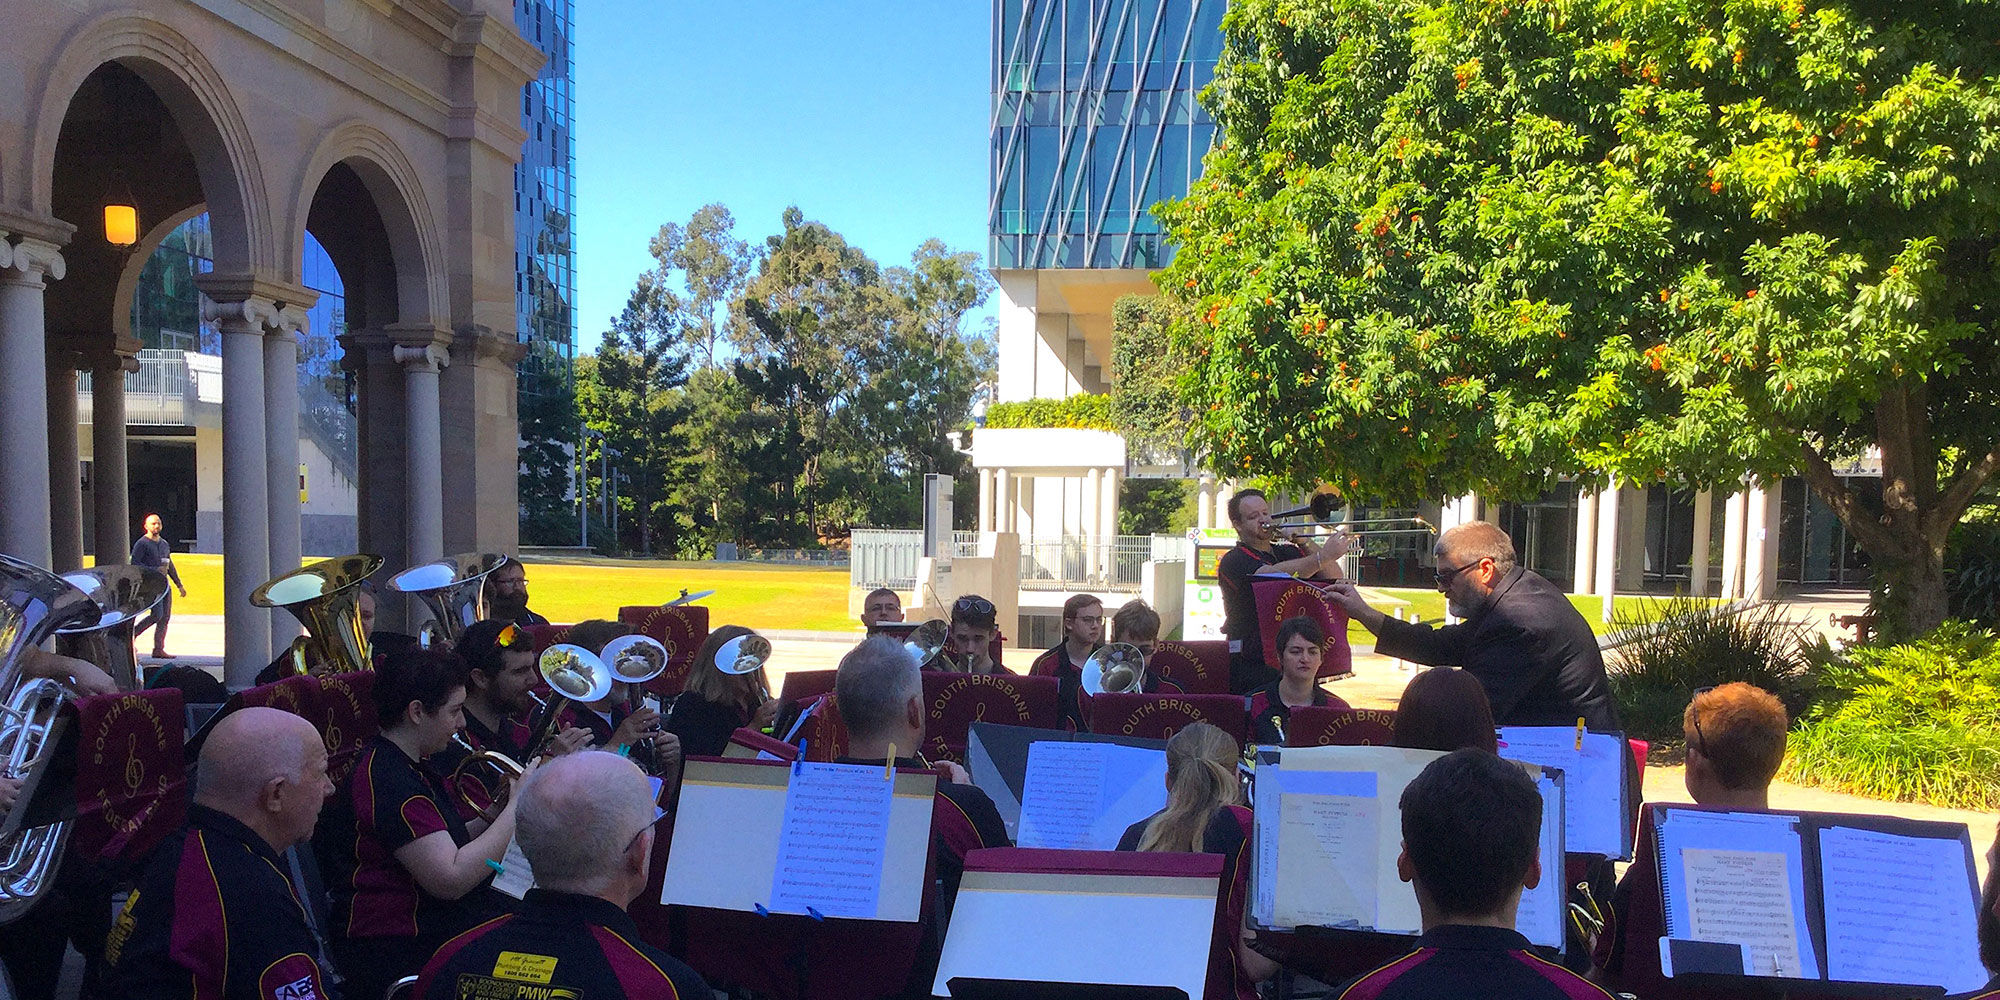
(1898, 910)
(832, 844)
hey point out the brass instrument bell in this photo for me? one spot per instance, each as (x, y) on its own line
(1115, 668)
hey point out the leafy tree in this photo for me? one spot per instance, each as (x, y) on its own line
(629, 397)
(1145, 375)
(712, 265)
(1156, 506)
(1480, 244)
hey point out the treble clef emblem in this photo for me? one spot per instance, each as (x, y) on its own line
(135, 771)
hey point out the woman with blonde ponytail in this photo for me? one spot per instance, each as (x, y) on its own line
(1205, 815)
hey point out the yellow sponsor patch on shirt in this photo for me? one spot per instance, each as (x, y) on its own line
(525, 968)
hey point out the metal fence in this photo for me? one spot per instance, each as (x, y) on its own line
(882, 558)
(156, 394)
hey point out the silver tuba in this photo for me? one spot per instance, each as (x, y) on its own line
(123, 595)
(454, 588)
(34, 604)
(325, 597)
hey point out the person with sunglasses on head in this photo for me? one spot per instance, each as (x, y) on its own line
(1259, 551)
(974, 625)
(586, 826)
(500, 678)
(1529, 647)
(1735, 738)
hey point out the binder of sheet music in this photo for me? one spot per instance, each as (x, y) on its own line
(1818, 896)
(1598, 819)
(839, 840)
(1328, 830)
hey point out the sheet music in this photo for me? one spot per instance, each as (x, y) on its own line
(1593, 783)
(1541, 916)
(1741, 897)
(515, 876)
(1327, 841)
(1082, 796)
(832, 844)
(1898, 910)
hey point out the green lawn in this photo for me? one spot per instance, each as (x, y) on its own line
(760, 596)
(1429, 604)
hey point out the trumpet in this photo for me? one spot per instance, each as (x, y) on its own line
(504, 770)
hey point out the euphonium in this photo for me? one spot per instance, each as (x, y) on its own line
(34, 603)
(930, 645)
(123, 595)
(1115, 668)
(454, 588)
(326, 598)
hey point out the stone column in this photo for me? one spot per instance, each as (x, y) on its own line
(1026, 525)
(425, 477)
(246, 486)
(1583, 579)
(986, 500)
(112, 495)
(65, 486)
(1732, 544)
(1607, 541)
(1090, 524)
(1704, 514)
(1760, 549)
(1107, 512)
(281, 455)
(1224, 492)
(1003, 500)
(25, 264)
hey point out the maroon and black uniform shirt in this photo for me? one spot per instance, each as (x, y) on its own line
(559, 945)
(391, 801)
(1247, 669)
(1493, 963)
(1268, 712)
(214, 918)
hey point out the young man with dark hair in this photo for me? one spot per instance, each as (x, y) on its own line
(1259, 551)
(1083, 632)
(1135, 623)
(1471, 838)
(974, 624)
(882, 605)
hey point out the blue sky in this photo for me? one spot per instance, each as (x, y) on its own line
(870, 116)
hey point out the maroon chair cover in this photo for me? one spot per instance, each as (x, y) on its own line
(298, 694)
(953, 702)
(1198, 666)
(547, 635)
(750, 743)
(799, 685)
(1325, 726)
(823, 734)
(1159, 716)
(131, 772)
(347, 720)
(682, 629)
(1279, 599)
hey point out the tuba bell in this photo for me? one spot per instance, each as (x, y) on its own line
(326, 598)
(1115, 668)
(34, 604)
(123, 595)
(453, 588)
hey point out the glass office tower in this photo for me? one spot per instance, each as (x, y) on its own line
(1094, 120)
(545, 193)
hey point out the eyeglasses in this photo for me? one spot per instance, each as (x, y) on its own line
(511, 636)
(658, 815)
(1701, 738)
(1444, 579)
(975, 607)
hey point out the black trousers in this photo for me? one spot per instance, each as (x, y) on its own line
(157, 621)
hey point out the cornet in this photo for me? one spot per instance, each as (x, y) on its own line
(575, 674)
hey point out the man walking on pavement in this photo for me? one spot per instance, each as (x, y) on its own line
(153, 552)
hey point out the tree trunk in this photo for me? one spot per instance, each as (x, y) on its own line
(1910, 596)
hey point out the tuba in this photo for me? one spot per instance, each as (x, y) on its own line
(123, 594)
(1115, 668)
(453, 588)
(34, 604)
(326, 598)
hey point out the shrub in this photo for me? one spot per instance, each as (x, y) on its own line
(1918, 721)
(1687, 644)
(1085, 410)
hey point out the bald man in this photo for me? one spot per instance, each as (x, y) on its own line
(214, 915)
(1529, 647)
(585, 823)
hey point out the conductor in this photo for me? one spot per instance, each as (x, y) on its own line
(1259, 551)
(1521, 638)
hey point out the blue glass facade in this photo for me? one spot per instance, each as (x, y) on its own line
(545, 190)
(1094, 121)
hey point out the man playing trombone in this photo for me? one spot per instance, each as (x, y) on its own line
(1258, 551)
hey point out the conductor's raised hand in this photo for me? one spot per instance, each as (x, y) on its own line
(1348, 596)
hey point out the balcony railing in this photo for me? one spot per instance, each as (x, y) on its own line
(155, 395)
(883, 558)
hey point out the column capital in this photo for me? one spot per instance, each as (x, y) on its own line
(271, 296)
(48, 229)
(427, 357)
(480, 343)
(420, 335)
(29, 259)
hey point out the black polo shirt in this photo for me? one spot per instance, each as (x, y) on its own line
(1269, 713)
(1247, 669)
(558, 945)
(704, 726)
(1492, 963)
(214, 918)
